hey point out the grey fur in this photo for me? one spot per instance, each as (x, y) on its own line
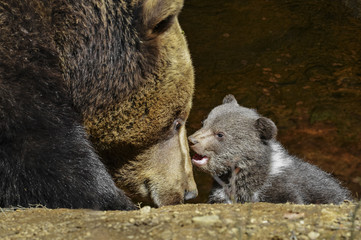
(243, 151)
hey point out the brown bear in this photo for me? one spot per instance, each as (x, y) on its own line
(74, 75)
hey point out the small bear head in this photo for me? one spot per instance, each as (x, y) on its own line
(231, 136)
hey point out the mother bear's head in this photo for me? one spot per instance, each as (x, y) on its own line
(131, 78)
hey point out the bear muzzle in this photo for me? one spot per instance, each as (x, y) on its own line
(188, 195)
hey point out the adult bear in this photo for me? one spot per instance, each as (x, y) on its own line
(117, 72)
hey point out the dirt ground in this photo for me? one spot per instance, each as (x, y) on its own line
(188, 221)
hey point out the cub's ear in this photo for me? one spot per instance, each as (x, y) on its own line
(229, 99)
(266, 128)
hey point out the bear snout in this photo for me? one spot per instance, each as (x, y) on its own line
(192, 140)
(194, 144)
(188, 195)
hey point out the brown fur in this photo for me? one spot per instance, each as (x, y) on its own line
(134, 132)
(127, 76)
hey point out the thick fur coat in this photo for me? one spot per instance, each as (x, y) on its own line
(239, 148)
(115, 75)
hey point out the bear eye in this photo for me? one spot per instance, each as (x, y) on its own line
(177, 125)
(220, 135)
(163, 25)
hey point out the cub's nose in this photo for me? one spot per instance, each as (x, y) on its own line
(192, 140)
(188, 195)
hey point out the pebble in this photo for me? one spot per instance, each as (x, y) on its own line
(313, 235)
(145, 210)
(206, 220)
(215, 212)
(229, 221)
(292, 215)
(235, 231)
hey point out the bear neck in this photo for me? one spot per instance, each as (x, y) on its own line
(249, 176)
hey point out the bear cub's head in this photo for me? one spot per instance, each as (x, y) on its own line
(232, 136)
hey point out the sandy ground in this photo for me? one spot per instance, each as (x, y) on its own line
(188, 221)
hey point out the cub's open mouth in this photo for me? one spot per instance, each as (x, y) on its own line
(200, 160)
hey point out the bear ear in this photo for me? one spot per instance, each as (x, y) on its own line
(266, 128)
(229, 99)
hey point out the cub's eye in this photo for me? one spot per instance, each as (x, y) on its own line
(177, 125)
(163, 25)
(220, 135)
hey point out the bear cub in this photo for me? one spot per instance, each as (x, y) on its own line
(238, 147)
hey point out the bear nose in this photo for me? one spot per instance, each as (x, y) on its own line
(192, 140)
(188, 195)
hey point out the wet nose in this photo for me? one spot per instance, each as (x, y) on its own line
(188, 195)
(192, 140)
